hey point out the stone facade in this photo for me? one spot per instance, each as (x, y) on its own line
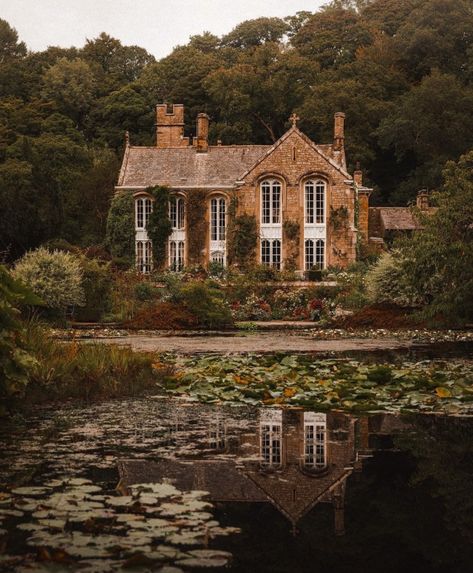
(309, 211)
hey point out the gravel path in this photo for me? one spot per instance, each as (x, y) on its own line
(260, 342)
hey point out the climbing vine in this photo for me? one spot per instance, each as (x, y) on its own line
(242, 237)
(159, 225)
(120, 235)
(196, 205)
(339, 217)
(292, 231)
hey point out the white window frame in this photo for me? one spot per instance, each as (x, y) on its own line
(271, 253)
(315, 441)
(143, 209)
(144, 256)
(177, 238)
(271, 202)
(217, 230)
(314, 254)
(271, 444)
(315, 200)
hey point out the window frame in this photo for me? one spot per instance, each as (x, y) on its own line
(314, 207)
(271, 191)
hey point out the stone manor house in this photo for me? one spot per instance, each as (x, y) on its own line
(310, 212)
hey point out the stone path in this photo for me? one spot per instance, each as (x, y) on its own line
(260, 342)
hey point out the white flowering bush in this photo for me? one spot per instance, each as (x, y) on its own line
(54, 276)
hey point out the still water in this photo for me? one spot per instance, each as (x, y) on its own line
(168, 485)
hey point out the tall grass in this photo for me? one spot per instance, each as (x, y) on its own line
(88, 371)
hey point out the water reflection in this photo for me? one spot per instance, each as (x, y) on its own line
(293, 459)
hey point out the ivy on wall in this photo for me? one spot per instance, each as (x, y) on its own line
(196, 223)
(159, 225)
(292, 233)
(120, 235)
(242, 239)
(339, 217)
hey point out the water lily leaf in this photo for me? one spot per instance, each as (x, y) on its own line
(33, 491)
(443, 392)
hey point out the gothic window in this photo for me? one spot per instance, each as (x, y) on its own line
(143, 208)
(143, 256)
(314, 192)
(176, 212)
(270, 202)
(314, 254)
(315, 455)
(217, 219)
(271, 253)
(176, 255)
(271, 444)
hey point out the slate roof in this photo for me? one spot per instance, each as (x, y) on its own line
(395, 218)
(184, 167)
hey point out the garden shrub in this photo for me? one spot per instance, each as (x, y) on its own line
(206, 301)
(145, 291)
(163, 316)
(15, 358)
(54, 276)
(387, 281)
(97, 285)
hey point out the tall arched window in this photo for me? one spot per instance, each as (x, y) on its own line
(176, 212)
(314, 254)
(315, 437)
(314, 191)
(143, 208)
(143, 256)
(270, 202)
(177, 239)
(217, 219)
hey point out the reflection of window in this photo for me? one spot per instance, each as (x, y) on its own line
(314, 254)
(271, 444)
(176, 212)
(217, 219)
(143, 208)
(271, 253)
(314, 192)
(176, 255)
(270, 202)
(218, 257)
(217, 435)
(143, 256)
(314, 444)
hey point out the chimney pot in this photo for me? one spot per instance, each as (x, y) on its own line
(339, 131)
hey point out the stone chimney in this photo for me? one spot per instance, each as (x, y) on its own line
(363, 195)
(422, 200)
(202, 139)
(170, 126)
(339, 131)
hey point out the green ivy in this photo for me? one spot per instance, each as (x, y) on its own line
(242, 239)
(159, 225)
(120, 237)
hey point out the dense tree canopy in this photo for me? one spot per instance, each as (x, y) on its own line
(401, 70)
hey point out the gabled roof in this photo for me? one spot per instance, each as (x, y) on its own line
(185, 167)
(326, 151)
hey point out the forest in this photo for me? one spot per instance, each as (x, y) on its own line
(401, 70)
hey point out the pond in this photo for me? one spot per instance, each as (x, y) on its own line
(167, 484)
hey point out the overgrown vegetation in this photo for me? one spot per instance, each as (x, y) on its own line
(242, 239)
(159, 225)
(120, 238)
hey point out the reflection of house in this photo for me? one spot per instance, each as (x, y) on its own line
(295, 459)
